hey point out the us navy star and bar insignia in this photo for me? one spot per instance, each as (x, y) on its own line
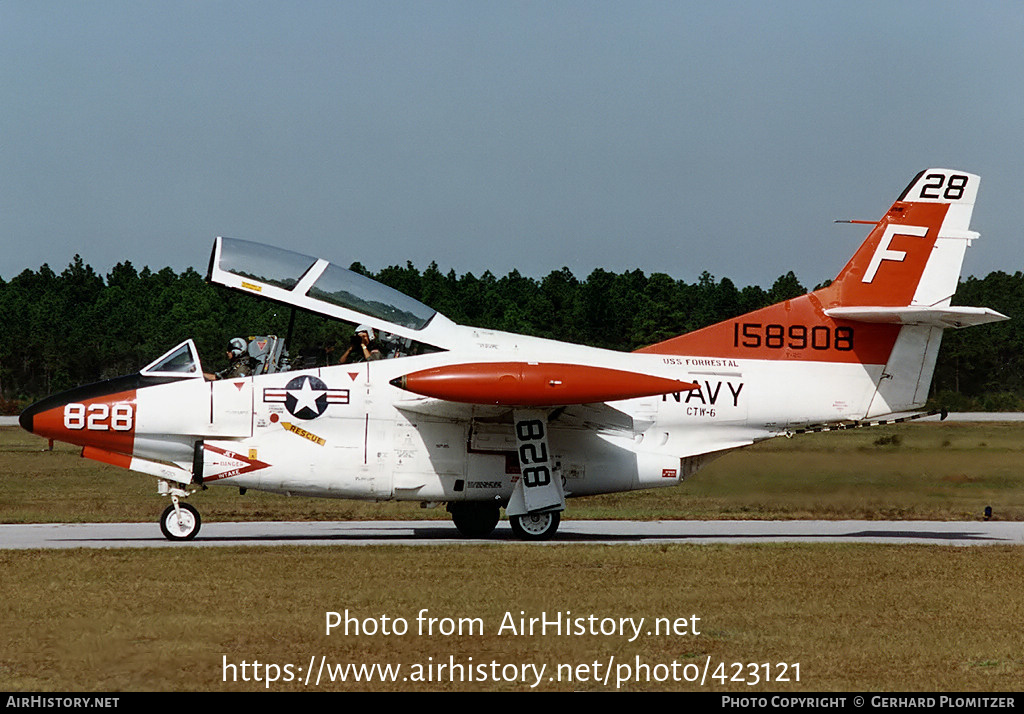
(305, 397)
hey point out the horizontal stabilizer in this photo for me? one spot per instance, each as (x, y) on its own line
(948, 316)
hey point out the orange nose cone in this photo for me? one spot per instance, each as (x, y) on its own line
(95, 415)
(535, 384)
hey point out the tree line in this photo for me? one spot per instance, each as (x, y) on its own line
(63, 329)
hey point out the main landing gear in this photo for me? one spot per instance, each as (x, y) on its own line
(535, 526)
(477, 520)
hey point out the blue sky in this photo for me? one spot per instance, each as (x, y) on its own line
(667, 136)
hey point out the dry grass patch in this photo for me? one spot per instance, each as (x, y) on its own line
(854, 617)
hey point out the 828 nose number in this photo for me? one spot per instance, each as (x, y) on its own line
(99, 417)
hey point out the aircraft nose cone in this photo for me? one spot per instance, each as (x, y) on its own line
(100, 415)
(25, 419)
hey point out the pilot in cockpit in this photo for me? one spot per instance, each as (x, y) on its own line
(240, 364)
(363, 347)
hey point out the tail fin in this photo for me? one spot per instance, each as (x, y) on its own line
(886, 308)
(913, 255)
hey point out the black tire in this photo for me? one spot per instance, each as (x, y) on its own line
(475, 520)
(535, 526)
(187, 529)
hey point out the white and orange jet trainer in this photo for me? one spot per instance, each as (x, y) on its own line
(482, 420)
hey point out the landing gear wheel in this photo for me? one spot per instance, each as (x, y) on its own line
(475, 520)
(535, 526)
(184, 528)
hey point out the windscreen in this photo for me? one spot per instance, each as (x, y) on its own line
(181, 360)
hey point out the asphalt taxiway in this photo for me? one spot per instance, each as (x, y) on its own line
(417, 533)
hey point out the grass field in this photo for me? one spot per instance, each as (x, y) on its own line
(853, 617)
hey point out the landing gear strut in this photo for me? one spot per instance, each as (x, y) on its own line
(475, 520)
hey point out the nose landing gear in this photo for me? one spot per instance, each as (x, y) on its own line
(179, 521)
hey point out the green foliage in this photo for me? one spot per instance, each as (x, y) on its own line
(61, 330)
(988, 359)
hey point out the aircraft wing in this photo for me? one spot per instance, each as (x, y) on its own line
(596, 417)
(450, 411)
(602, 418)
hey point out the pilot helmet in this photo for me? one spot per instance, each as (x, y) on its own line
(364, 328)
(236, 347)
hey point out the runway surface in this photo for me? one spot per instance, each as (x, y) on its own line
(417, 533)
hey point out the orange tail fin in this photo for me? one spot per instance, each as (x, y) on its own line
(904, 273)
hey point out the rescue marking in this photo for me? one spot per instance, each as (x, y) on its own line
(288, 426)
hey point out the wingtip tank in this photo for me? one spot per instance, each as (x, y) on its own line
(535, 384)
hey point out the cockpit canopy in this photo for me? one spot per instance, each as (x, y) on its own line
(347, 289)
(319, 286)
